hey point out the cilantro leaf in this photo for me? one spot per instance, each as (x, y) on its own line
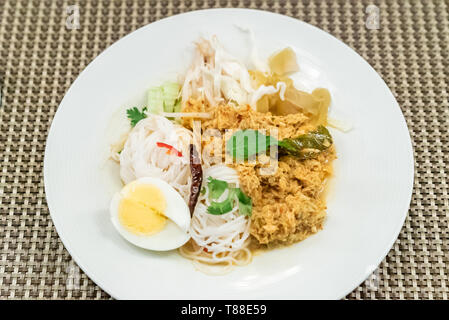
(216, 187)
(245, 202)
(219, 208)
(135, 115)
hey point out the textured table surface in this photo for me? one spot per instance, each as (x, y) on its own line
(40, 58)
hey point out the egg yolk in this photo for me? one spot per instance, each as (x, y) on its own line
(141, 210)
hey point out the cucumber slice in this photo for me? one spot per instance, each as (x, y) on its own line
(155, 100)
(170, 95)
(163, 98)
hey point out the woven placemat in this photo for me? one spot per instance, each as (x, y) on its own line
(40, 57)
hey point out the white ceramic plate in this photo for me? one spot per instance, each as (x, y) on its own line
(366, 207)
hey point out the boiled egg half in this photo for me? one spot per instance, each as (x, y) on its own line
(151, 214)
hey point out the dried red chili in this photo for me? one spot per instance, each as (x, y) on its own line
(197, 178)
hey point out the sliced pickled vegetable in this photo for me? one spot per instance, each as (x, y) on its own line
(263, 104)
(296, 101)
(324, 97)
(339, 124)
(259, 78)
(283, 62)
(315, 104)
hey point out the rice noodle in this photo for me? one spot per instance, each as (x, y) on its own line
(141, 157)
(218, 241)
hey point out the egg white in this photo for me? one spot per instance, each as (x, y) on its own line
(176, 230)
